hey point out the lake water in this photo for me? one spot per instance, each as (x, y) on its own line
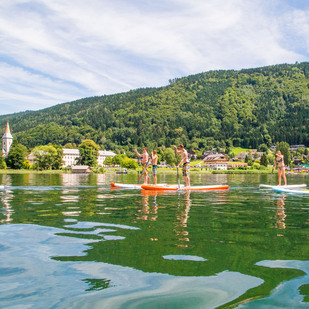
(70, 241)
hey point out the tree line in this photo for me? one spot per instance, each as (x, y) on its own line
(50, 157)
(222, 108)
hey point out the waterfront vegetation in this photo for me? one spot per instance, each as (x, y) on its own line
(48, 158)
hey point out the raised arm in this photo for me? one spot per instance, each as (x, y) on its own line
(137, 153)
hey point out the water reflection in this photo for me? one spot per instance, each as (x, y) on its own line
(150, 248)
(182, 220)
(6, 209)
(149, 209)
(280, 214)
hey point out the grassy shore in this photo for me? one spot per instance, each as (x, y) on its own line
(28, 171)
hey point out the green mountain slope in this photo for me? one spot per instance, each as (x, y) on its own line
(246, 108)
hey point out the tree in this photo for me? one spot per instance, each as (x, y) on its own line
(57, 163)
(117, 159)
(129, 163)
(45, 157)
(16, 156)
(88, 151)
(2, 162)
(70, 146)
(271, 159)
(108, 161)
(264, 160)
(263, 148)
(169, 156)
(248, 159)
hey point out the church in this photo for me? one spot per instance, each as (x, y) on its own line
(7, 140)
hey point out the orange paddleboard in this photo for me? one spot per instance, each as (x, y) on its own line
(192, 188)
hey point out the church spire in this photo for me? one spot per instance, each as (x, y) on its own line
(7, 129)
(7, 140)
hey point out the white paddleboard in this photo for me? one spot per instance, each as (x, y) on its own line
(125, 185)
(285, 190)
(287, 187)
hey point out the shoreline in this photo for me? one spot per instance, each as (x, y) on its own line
(160, 170)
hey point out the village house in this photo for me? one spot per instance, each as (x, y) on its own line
(295, 147)
(216, 161)
(256, 155)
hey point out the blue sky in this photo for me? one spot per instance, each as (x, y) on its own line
(56, 51)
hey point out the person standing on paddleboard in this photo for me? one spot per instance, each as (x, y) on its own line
(154, 162)
(281, 167)
(145, 159)
(186, 164)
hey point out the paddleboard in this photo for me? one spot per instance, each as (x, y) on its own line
(285, 190)
(182, 188)
(287, 187)
(125, 185)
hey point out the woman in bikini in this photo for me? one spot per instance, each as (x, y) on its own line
(281, 167)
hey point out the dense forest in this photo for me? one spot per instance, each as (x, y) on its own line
(216, 108)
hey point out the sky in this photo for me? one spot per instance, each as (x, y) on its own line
(56, 51)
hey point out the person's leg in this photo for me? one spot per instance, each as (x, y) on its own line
(187, 181)
(187, 175)
(154, 174)
(279, 175)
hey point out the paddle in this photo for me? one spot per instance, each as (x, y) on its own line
(272, 172)
(146, 165)
(178, 180)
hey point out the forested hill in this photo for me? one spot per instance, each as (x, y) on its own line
(244, 108)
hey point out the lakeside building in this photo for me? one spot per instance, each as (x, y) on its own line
(70, 157)
(7, 140)
(216, 161)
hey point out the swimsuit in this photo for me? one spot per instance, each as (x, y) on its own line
(280, 160)
(186, 169)
(154, 169)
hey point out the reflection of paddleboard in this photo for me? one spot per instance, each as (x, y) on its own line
(285, 190)
(192, 188)
(287, 187)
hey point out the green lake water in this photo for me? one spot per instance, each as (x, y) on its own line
(70, 241)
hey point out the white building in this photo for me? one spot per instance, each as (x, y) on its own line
(103, 154)
(70, 156)
(7, 141)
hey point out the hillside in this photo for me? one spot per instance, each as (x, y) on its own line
(244, 108)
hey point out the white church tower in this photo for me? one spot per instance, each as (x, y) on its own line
(7, 141)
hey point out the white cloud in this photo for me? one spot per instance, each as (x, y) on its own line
(56, 50)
